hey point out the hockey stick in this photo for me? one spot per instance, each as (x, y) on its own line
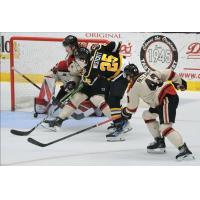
(64, 99)
(25, 77)
(67, 96)
(37, 143)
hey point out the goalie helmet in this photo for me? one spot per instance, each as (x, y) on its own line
(82, 53)
(70, 40)
(131, 70)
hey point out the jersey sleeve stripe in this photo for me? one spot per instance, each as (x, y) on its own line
(172, 75)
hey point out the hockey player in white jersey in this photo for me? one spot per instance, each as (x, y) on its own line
(69, 73)
(155, 90)
(103, 84)
(66, 71)
(94, 93)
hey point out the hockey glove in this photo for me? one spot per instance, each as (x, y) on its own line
(70, 85)
(54, 70)
(182, 86)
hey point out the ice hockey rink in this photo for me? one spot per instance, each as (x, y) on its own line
(91, 148)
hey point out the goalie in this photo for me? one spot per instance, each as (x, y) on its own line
(66, 71)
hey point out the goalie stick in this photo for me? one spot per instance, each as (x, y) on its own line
(64, 99)
(37, 143)
(25, 77)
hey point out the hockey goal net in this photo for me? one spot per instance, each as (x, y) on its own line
(34, 57)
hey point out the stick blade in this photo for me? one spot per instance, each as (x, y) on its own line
(19, 133)
(37, 143)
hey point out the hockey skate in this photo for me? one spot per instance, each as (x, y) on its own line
(53, 125)
(184, 154)
(158, 146)
(117, 132)
(126, 128)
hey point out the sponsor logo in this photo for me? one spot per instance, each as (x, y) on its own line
(193, 51)
(158, 52)
(190, 76)
(4, 45)
(5, 48)
(103, 35)
(126, 49)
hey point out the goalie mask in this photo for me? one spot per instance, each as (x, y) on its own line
(71, 41)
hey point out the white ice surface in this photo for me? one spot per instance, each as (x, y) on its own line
(91, 148)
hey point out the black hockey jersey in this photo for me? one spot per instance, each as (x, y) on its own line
(103, 63)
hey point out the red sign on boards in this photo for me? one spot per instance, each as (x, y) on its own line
(193, 51)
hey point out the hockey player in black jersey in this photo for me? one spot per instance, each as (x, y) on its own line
(104, 85)
(107, 64)
(94, 93)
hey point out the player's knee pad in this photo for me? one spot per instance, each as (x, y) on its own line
(97, 100)
(77, 99)
(149, 117)
(165, 129)
(72, 105)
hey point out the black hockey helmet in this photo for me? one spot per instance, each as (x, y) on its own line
(70, 40)
(131, 70)
(82, 53)
(113, 47)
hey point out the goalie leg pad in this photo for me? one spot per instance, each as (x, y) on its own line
(40, 105)
(47, 91)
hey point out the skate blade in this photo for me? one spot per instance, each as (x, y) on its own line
(186, 157)
(118, 139)
(46, 126)
(127, 130)
(124, 131)
(157, 151)
(110, 130)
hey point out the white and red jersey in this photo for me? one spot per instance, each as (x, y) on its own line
(66, 70)
(63, 65)
(151, 87)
